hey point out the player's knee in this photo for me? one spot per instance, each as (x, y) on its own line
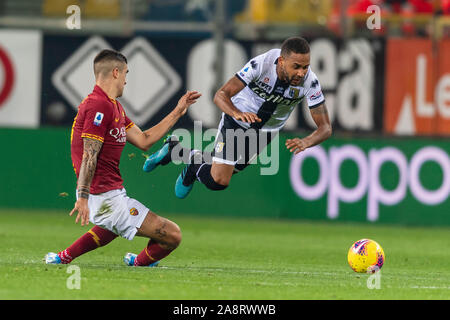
(220, 176)
(176, 236)
(222, 181)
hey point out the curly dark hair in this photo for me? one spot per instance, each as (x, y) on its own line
(294, 45)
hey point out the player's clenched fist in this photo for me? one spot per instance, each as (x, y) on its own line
(296, 145)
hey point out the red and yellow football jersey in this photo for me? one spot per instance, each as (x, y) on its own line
(101, 118)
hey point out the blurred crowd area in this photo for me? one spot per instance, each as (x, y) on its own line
(340, 17)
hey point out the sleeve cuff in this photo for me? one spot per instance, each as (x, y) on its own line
(317, 104)
(93, 136)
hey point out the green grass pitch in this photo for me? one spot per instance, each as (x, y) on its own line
(224, 258)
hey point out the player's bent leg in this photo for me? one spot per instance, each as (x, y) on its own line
(165, 236)
(203, 173)
(158, 228)
(93, 239)
(215, 176)
(221, 173)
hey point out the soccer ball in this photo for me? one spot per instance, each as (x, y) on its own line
(365, 256)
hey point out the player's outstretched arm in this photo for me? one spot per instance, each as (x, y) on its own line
(323, 131)
(91, 149)
(222, 99)
(145, 139)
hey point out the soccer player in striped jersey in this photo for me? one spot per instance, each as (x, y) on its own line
(99, 134)
(256, 101)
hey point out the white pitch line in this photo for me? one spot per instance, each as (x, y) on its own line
(425, 287)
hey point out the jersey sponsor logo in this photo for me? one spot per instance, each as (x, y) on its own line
(98, 119)
(274, 98)
(119, 134)
(134, 211)
(316, 96)
(246, 69)
(280, 90)
(264, 86)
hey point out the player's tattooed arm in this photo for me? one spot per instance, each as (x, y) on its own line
(91, 149)
(323, 131)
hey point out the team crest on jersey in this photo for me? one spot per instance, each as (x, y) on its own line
(294, 92)
(134, 211)
(98, 118)
(219, 147)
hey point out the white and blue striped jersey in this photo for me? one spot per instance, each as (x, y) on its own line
(270, 98)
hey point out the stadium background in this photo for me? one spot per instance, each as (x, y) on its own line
(387, 90)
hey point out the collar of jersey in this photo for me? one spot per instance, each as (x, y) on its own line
(100, 90)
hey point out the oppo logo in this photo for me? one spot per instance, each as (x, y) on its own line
(369, 179)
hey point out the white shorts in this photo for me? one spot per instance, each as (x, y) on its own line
(116, 212)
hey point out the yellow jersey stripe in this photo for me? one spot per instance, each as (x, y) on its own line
(92, 136)
(73, 126)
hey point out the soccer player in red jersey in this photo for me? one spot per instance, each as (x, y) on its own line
(99, 134)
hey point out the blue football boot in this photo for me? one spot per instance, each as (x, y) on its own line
(162, 156)
(52, 258)
(130, 257)
(187, 177)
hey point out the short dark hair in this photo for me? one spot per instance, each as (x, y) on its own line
(106, 56)
(294, 45)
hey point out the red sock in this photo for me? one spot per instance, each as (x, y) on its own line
(94, 238)
(152, 253)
